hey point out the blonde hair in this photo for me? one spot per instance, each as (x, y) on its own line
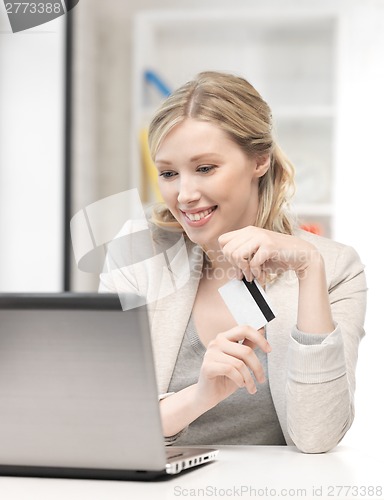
(232, 104)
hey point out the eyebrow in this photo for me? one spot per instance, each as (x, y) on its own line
(204, 156)
(193, 159)
(163, 162)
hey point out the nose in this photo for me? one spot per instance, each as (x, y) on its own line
(188, 190)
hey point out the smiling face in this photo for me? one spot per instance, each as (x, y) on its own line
(208, 183)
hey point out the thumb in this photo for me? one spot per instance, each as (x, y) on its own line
(251, 344)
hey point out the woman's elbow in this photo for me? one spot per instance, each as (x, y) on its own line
(320, 443)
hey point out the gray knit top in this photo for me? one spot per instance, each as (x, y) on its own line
(241, 419)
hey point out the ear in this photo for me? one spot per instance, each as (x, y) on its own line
(261, 165)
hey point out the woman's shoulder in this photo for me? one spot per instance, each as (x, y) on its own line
(339, 258)
(170, 240)
(322, 242)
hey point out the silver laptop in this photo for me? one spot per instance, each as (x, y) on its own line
(78, 394)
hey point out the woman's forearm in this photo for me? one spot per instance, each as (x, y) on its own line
(314, 311)
(180, 409)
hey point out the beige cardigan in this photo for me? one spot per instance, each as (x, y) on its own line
(312, 386)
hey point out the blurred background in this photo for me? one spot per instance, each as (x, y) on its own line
(77, 93)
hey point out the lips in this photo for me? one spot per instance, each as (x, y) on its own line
(196, 216)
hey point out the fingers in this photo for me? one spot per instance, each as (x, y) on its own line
(234, 370)
(226, 357)
(243, 250)
(256, 252)
(265, 260)
(246, 334)
(248, 342)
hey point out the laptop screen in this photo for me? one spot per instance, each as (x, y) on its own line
(77, 384)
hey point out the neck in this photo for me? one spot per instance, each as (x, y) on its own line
(215, 258)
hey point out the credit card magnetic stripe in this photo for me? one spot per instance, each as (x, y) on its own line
(259, 299)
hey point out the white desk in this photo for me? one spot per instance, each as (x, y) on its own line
(239, 472)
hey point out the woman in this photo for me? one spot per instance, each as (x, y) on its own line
(226, 186)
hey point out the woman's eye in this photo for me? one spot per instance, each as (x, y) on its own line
(167, 175)
(204, 169)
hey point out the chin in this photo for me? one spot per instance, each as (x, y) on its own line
(204, 242)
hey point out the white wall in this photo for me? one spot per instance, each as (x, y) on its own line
(31, 156)
(359, 194)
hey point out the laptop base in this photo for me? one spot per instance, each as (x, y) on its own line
(80, 473)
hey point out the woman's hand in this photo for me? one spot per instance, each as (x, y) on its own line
(229, 363)
(256, 252)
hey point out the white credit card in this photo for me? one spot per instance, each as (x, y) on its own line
(247, 302)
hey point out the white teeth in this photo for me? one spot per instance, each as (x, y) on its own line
(199, 215)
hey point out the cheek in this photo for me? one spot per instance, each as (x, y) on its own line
(169, 194)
